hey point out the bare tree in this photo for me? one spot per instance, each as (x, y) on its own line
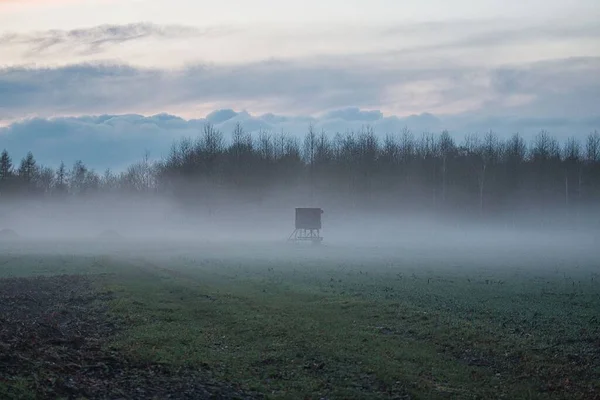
(572, 156)
(45, 179)
(61, 182)
(310, 146)
(77, 176)
(483, 173)
(109, 181)
(592, 148)
(447, 150)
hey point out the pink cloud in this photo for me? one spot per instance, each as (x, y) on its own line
(37, 1)
(32, 1)
(12, 3)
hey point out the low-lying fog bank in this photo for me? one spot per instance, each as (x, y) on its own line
(156, 227)
(487, 249)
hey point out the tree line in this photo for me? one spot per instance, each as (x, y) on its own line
(480, 175)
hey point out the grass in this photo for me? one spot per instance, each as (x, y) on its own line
(325, 327)
(20, 389)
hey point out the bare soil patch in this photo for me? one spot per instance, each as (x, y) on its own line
(54, 340)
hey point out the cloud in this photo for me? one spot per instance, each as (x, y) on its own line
(54, 2)
(487, 34)
(101, 141)
(32, 1)
(220, 116)
(96, 39)
(114, 89)
(470, 42)
(115, 141)
(566, 88)
(355, 114)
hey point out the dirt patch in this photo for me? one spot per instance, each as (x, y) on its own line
(54, 334)
(565, 373)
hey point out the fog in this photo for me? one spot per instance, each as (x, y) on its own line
(156, 226)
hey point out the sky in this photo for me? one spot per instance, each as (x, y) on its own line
(503, 65)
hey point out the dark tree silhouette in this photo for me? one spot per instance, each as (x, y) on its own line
(482, 176)
(6, 167)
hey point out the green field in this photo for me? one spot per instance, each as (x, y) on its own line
(340, 323)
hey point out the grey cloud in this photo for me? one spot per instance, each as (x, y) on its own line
(565, 88)
(520, 36)
(355, 114)
(463, 34)
(109, 89)
(543, 75)
(96, 39)
(543, 32)
(562, 87)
